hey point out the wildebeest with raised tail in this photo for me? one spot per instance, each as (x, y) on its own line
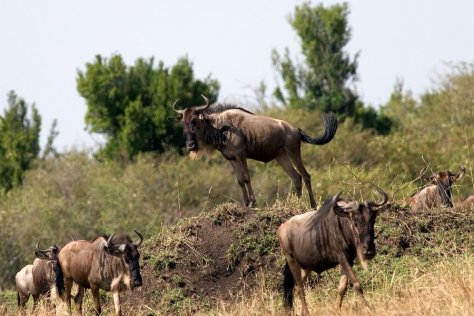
(337, 233)
(111, 264)
(239, 134)
(40, 278)
(438, 192)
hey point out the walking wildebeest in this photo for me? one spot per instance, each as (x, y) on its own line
(438, 192)
(109, 264)
(40, 278)
(319, 240)
(239, 134)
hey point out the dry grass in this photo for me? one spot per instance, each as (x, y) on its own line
(447, 290)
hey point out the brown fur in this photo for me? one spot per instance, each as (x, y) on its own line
(319, 240)
(467, 203)
(37, 279)
(437, 193)
(239, 134)
(100, 264)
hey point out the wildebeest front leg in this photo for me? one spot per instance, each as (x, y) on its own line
(342, 289)
(95, 295)
(347, 270)
(116, 295)
(243, 178)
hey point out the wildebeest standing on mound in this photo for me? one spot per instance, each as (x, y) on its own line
(438, 193)
(40, 278)
(319, 240)
(239, 134)
(109, 264)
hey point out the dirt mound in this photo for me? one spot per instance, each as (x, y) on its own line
(215, 256)
(210, 258)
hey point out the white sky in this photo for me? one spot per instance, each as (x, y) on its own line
(45, 42)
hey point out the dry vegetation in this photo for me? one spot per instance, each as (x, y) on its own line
(425, 262)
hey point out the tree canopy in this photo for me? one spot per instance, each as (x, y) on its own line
(129, 105)
(323, 81)
(19, 140)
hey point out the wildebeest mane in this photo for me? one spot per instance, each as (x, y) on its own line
(222, 107)
(322, 212)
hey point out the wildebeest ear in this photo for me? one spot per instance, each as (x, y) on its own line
(342, 208)
(41, 255)
(459, 175)
(175, 119)
(383, 208)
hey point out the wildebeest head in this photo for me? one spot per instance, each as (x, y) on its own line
(50, 253)
(362, 216)
(191, 119)
(122, 246)
(444, 180)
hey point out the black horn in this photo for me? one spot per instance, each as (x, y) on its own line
(383, 194)
(203, 107)
(139, 242)
(39, 250)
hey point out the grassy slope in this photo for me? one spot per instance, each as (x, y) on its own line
(228, 261)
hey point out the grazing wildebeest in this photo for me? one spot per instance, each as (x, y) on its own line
(40, 278)
(319, 240)
(438, 192)
(239, 134)
(110, 264)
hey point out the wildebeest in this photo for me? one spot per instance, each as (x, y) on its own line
(239, 134)
(467, 203)
(111, 264)
(319, 240)
(40, 278)
(438, 192)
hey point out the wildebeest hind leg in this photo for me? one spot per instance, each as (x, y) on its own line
(296, 271)
(78, 299)
(298, 163)
(285, 162)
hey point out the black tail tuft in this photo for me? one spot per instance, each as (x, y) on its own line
(59, 279)
(288, 286)
(330, 127)
(18, 298)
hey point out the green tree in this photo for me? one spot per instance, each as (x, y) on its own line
(19, 140)
(129, 105)
(322, 81)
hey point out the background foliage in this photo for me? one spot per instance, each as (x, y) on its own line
(141, 179)
(129, 105)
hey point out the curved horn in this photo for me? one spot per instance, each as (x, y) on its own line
(203, 107)
(334, 199)
(461, 172)
(175, 109)
(383, 194)
(37, 248)
(109, 241)
(139, 242)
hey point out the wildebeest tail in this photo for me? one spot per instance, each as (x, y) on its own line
(330, 127)
(59, 280)
(288, 286)
(18, 298)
